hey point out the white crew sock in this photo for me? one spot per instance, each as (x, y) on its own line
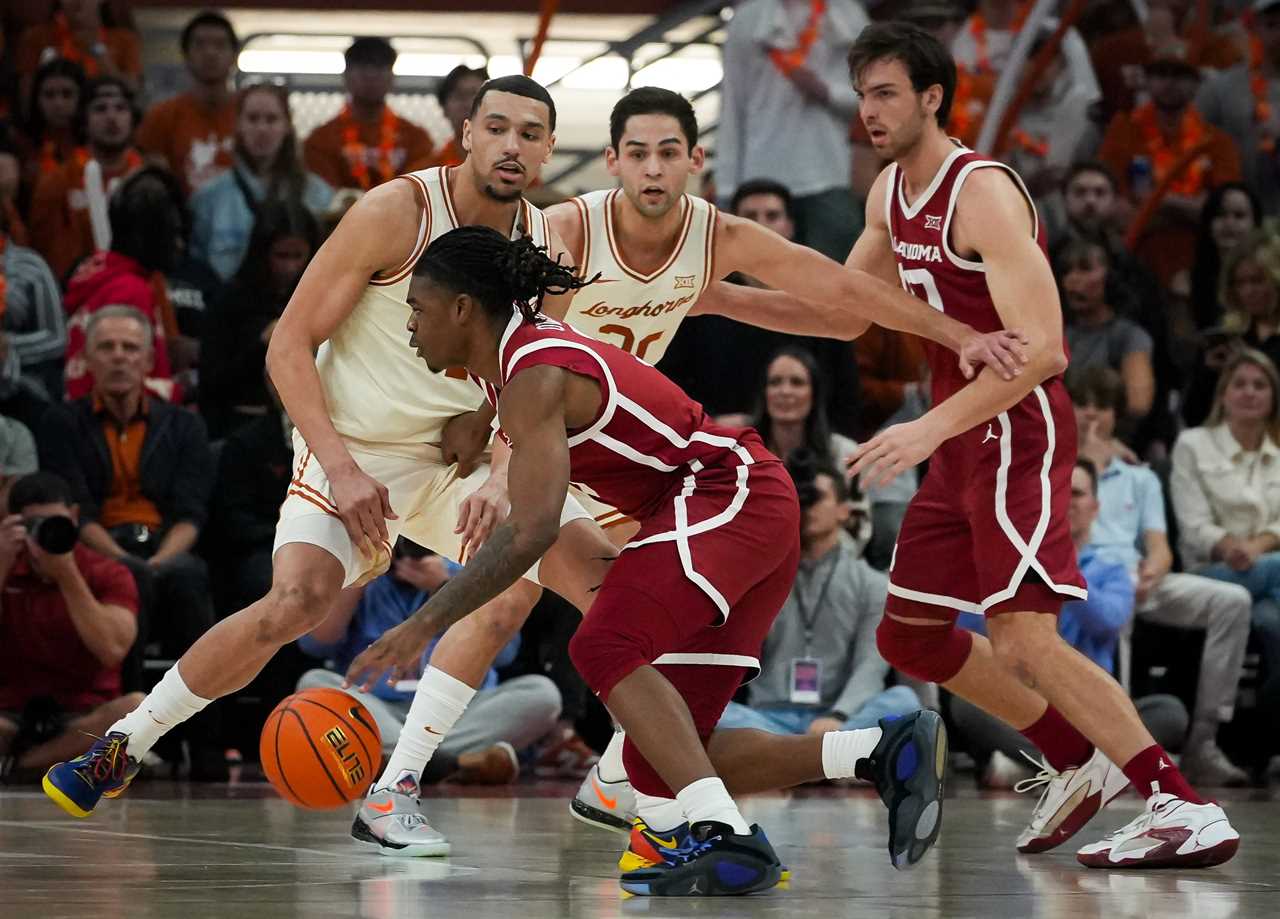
(662, 815)
(841, 751)
(610, 765)
(708, 799)
(437, 705)
(167, 705)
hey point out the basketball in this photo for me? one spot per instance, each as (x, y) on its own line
(320, 748)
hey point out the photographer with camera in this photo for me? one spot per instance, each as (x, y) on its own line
(68, 617)
(820, 668)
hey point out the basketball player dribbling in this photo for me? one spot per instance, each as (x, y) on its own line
(375, 433)
(683, 611)
(987, 531)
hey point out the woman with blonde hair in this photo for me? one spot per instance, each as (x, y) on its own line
(1225, 486)
(267, 167)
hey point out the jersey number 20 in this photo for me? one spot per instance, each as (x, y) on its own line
(629, 343)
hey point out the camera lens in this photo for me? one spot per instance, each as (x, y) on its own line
(55, 535)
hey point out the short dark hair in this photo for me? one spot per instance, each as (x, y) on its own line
(149, 218)
(208, 18)
(1089, 167)
(517, 85)
(927, 60)
(839, 484)
(762, 187)
(38, 488)
(1078, 250)
(370, 51)
(652, 100)
(1092, 471)
(456, 76)
(1099, 386)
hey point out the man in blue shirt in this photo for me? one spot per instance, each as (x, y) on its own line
(1131, 531)
(501, 719)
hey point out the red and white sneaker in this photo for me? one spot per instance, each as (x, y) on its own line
(1069, 801)
(1170, 833)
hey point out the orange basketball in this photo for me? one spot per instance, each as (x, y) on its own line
(320, 748)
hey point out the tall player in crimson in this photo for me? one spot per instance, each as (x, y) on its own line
(682, 613)
(988, 529)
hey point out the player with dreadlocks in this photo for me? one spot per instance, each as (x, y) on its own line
(683, 612)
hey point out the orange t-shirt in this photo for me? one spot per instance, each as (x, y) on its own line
(1168, 245)
(194, 140)
(325, 156)
(59, 225)
(125, 502)
(1120, 60)
(123, 48)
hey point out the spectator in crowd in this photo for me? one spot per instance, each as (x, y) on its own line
(240, 325)
(17, 455)
(32, 323)
(456, 93)
(1226, 494)
(786, 80)
(1089, 205)
(1093, 627)
(985, 40)
(1244, 101)
(820, 669)
(49, 135)
(192, 133)
(367, 143)
(1250, 293)
(1096, 335)
(69, 219)
(1120, 57)
(792, 414)
(1130, 530)
(1142, 146)
(1231, 212)
(11, 186)
(70, 618)
(78, 34)
(502, 717)
(267, 168)
(146, 223)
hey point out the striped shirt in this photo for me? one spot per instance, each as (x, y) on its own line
(33, 317)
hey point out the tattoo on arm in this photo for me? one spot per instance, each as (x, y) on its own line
(492, 570)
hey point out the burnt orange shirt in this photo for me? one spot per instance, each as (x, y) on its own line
(1120, 60)
(449, 155)
(122, 45)
(194, 139)
(325, 156)
(887, 362)
(125, 502)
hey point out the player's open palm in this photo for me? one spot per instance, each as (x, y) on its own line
(892, 452)
(1004, 351)
(365, 507)
(397, 653)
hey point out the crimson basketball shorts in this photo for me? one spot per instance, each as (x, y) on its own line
(700, 585)
(987, 532)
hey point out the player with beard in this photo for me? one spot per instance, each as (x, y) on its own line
(376, 437)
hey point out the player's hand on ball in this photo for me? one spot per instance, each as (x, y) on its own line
(892, 452)
(484, 509)
(397, 653)
(1003, 351)
(464, 439)
(364, 505)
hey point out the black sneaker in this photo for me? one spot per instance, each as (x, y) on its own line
(908, 768)
(713, 861)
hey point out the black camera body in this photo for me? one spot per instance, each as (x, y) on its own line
(56, 535)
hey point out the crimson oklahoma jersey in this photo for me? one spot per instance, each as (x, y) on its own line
(988, 529)
(652, 452)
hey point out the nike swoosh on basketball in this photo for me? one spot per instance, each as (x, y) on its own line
(610, 803)
(383, 808)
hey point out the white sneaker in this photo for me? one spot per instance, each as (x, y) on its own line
(1069, 801)
(1170, 833)
(392, 819)
(607, 805)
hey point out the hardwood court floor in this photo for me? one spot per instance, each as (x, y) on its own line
(235, 852)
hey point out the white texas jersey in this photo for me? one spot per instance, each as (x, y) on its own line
(640, 313)
(377, 388)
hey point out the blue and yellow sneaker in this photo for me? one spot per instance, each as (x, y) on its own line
(712, 861)
(106, 769)
(908, 768)
(646, 847)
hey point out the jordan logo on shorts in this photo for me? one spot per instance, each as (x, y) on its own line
(991, 435)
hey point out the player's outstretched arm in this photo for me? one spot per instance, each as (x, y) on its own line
(364, 243)
(992, 219)
(532, 411)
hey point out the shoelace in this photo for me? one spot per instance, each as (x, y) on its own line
(686, 851)
(1046, 776)
(1140, 822)
(105, 764)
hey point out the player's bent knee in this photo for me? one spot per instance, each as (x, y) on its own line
(933, 653)
(291, 610)
(603, 656)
